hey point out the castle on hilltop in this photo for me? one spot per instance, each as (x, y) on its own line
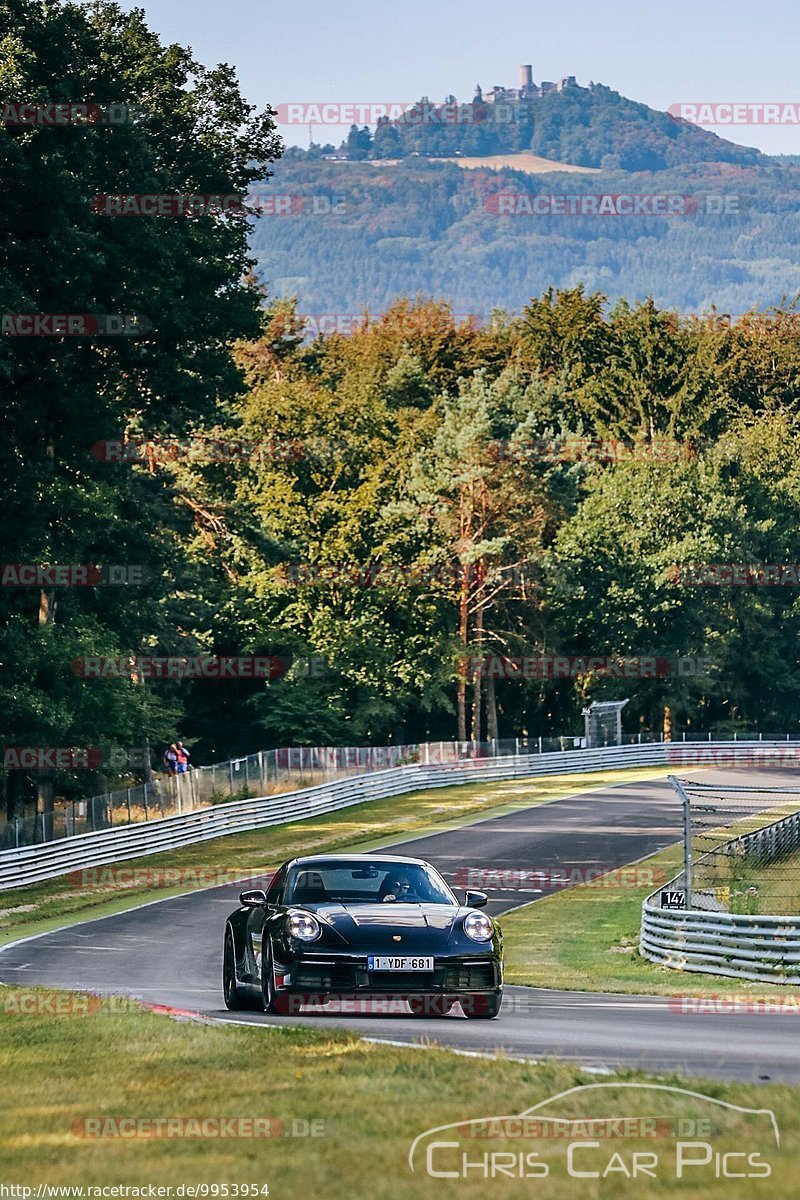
(527, 90)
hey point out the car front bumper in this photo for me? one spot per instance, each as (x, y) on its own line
(349, 974)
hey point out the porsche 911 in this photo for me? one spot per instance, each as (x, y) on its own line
(362, 927)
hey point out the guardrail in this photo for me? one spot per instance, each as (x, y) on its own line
(33, 864)
(708, 940)
(763, 949)
(284, 770)
(773, 842)
(287, 769)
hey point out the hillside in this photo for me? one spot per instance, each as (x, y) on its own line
(431, 227)
(591, 126)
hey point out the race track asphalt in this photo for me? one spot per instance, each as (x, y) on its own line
(169, 952)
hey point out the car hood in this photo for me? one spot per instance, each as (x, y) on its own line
(375, 926)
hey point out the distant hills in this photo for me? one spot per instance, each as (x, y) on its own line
(387, 215)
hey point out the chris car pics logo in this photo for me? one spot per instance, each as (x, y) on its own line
(607, 1133)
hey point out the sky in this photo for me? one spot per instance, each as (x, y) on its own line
(723, 51)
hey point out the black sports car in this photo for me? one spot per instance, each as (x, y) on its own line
(365, 929)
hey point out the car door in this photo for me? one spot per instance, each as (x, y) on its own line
(256, 919)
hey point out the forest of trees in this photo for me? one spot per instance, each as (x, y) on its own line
(434, 227)
(400, 505)
(565, 463)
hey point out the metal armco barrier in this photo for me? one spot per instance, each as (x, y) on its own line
(32, 864)
(772, 842)
(736, 946)
(764, 949)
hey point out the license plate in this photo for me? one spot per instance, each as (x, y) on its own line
(374, 963)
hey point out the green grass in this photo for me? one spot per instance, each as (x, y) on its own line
(587, 939)
(746, 884)
(753, 887)
(40, 907)
(372, 1102)
(757, 887)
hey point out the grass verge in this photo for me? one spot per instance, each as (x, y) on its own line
(99, 892)
(587, 939)
(366, 1103)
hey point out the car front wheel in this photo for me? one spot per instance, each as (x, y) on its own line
(235, 999)
(267, 979)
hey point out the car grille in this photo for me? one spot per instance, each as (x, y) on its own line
(402, 981)
(472, 977)
(353, 976)
(325, 978)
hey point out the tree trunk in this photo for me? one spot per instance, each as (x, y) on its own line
(477, 682)
(145, 750)
(45, 789)
(477, 675)
(44, 809)
(147, 764)
(491, 708)
(462, 667)
(17, 794)
(47, 607)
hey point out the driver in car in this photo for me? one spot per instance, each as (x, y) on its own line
(398, 888)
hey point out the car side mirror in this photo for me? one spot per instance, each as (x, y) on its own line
(476, 900)
(254, 899)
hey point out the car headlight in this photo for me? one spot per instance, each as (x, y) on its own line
(478, 927)
(304, 927)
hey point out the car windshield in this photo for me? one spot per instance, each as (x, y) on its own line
(349, 882)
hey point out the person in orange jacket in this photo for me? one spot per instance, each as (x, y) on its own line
(182, 758)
